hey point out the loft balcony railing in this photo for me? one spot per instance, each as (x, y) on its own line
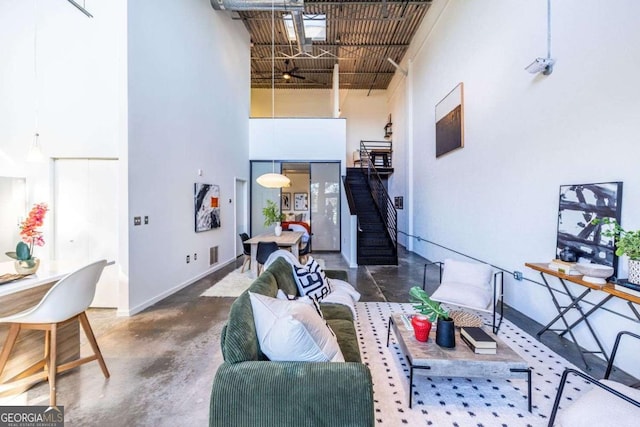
(378, 153)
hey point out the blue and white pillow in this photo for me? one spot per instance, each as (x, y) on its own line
(311, 280)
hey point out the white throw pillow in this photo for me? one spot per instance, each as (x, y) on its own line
(305, 299)
(468, 273)
(311, 280)
(598, 407)
(337, 284)
(292, 331)
(463, 295)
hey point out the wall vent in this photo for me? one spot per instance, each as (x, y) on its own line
(213, 255)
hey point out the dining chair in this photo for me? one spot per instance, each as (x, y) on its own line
(264, 250)
(246, 251)
(65, 302)
(470, 285)
(303, 253)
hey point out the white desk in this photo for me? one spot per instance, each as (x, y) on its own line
(288, 239)
(48, 272)
(22, 294)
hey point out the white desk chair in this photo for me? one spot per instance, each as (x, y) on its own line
(65, 302)
(469, 285)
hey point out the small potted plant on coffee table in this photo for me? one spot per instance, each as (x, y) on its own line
(627, 243)
(445, 328)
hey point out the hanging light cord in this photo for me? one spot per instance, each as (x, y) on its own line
(35, 68)
(273, 75)
(548, 28)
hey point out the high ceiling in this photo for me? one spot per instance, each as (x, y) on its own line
(361, 35)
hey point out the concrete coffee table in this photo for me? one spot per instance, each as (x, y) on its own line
(459, 361)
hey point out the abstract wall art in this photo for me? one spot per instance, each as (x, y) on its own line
(579, 205)
(450, 121)
(207, 206)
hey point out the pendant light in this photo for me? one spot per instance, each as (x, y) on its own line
(273, 179)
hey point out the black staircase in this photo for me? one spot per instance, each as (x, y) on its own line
(377, 233)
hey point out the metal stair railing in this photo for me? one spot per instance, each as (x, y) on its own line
(384, 203)
(379, 153)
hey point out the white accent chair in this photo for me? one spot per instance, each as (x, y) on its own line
(608, 403)
(469, 285)
(65, 302)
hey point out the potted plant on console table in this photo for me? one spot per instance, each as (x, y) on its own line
(445, 328)
(627, 243)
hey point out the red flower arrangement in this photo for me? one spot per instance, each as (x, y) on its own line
(29, 227)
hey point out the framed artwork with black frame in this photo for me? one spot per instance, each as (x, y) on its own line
(579, 205)
(285, 201)
(301, 201)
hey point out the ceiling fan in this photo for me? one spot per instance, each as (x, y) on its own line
(289, 74)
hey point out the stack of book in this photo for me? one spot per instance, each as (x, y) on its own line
(564, 267)
(406, 319)
(478, 340)
(630, 288)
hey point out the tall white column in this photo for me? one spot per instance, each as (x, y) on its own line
(409, 158)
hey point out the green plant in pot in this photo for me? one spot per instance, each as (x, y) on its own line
(627, 243)
(272, 215)
(445, 328)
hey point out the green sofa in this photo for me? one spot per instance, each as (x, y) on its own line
(250, 390)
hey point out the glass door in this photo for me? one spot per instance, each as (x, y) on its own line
(260, 195)
(325, 206)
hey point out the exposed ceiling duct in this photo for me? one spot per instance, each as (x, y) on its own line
(239, 5)
(304, 44)
(296, 7)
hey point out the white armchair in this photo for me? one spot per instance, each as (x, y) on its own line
(608, 403)
(469, 285)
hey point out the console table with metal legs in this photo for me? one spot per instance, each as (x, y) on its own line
(574, 305)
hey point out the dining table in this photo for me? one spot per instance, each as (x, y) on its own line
(287, 239)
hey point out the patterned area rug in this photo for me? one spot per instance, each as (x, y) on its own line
(459, 402)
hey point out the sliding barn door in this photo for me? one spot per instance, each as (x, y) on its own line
(325, 206)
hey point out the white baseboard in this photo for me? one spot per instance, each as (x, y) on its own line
(148, 303)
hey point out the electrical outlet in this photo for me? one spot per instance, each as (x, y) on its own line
(195, 256)
(137, 220)
(188, 259)
(517, 275)
(146, 220)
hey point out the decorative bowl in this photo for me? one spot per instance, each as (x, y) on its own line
(595, 273)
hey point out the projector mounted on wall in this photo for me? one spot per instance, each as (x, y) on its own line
(541, 65)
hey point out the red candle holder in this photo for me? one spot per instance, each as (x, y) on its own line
(421, 327)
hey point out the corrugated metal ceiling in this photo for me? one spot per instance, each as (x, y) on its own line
(361, 35)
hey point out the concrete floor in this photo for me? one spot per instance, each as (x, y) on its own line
(162, 361)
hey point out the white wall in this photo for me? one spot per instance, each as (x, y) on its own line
(184, 69)
(291, 103)
(305, 140)
(77, 86)
(366, 112)
(525, 135)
